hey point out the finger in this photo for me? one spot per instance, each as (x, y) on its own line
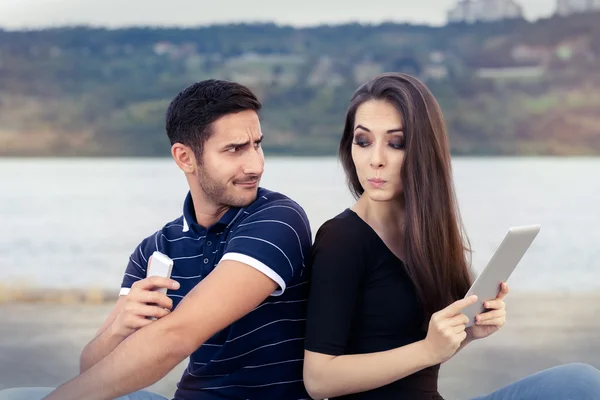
(152, 311)
(493, 322)
(459, 328)
(156, 298)
(134, 310)
(151, 297)
(503, 291)
(160, 282)
(494, 304)
(156, 282)
(457, 306)
(490, 315)
(460, 319)
(159, 299)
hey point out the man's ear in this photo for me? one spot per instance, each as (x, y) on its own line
(184, 157)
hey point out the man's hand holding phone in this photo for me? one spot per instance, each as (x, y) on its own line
(145, 302)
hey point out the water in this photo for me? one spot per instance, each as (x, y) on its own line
(73, 223)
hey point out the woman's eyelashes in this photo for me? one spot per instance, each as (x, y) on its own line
(396, 143)
(361, 141)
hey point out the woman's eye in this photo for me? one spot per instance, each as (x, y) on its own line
(398, 145)
(361, 142)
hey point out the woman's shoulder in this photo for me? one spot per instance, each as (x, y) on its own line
(340, 245)
(345, 229)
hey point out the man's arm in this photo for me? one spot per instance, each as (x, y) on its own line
(231, 291)
(104, 342)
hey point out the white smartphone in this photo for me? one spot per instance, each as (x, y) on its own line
(160, 265)
(500, 267)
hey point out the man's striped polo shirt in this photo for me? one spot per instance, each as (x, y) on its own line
(260, 355)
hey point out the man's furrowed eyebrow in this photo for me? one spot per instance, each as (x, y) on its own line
(241, 144)
(234, 145)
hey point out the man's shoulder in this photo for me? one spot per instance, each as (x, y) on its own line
(274, 202)
(178, 225)
(171, 231)
(273, 216)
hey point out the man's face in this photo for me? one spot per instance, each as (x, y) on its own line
(232, 160)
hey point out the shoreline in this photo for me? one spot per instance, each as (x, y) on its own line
(40, 342)
(58, 296)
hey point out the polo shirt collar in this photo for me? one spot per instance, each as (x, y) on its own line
(189, 216)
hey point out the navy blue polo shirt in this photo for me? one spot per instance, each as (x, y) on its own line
(260, 356)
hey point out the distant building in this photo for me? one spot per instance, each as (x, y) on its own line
(471, 11)
(568, 7)
(525, 54)
(514, 73)
(436, 68)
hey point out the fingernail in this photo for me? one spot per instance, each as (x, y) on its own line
(175, 285)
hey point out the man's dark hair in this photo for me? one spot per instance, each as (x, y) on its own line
(191, 113)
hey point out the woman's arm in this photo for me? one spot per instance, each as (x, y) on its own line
(330, 376)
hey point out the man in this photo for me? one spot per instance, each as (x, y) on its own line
(239, 282)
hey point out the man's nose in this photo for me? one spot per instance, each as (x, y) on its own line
(254, 163)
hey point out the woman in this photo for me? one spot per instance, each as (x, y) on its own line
(387, 274)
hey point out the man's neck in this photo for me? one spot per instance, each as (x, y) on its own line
(207, 213)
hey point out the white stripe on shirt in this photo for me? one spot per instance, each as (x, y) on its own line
(283, 223)
(256, 264)
(266, 241)
(291, 208)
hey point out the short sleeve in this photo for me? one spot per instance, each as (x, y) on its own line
(275, 240)
(338, 268)
(137, 265)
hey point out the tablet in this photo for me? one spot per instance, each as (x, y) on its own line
(501, 265)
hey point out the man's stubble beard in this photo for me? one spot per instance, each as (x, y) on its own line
(218, 193)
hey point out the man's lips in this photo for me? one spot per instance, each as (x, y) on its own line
(247, 183)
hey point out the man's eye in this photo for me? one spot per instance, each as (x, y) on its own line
(233, 149)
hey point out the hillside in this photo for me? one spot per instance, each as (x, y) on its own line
(512, 88)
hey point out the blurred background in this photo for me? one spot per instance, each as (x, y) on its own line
(85, 172)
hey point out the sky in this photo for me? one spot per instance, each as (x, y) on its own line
(23, 14)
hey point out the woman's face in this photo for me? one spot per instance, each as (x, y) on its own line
(378, 149)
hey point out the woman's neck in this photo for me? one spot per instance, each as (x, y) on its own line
(386, 217)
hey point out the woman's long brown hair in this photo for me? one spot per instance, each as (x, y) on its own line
(436, 246)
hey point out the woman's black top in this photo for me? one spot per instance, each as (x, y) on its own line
(363, 301)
